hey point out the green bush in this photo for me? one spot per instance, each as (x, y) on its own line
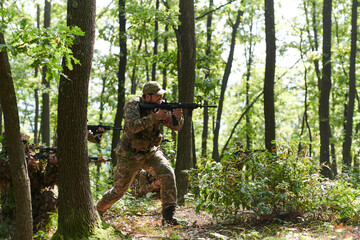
(272, 186)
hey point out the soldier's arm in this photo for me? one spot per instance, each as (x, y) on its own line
(133, 120)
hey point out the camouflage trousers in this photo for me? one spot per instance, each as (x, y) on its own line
(128, 165)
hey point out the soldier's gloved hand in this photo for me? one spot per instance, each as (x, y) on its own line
(162, 115)
(178, 113)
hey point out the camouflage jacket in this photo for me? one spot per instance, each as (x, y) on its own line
(141, 129)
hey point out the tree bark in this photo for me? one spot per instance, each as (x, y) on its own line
(215, 154)
(45, 113)
(249, 63)
(15, 149)
(133, 75)
(269, 105)
(121, 79)
(76, 207)
(352, 89)
(325, 86)
(205, 131)
(156, 43)
(1, 119)
(36, 92)
(187, 57)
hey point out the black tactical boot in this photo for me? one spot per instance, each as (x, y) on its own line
(168, 217)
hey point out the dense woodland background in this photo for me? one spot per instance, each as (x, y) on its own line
(282, 74)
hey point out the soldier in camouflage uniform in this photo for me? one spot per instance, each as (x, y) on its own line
(145, 183)
(139, 148)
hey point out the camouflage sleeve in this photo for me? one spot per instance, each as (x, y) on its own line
(133, 120)
(93, 138)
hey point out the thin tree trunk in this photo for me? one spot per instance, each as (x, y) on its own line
(305, 121)
(237, 123)
(352, 89)
(215, 154)
(36, 93)
(209, 31)
(187, 61)
(133, 75)
(146, 64)
(248, 75)
(45, 113)
(121, 79)
(15, 149)
(269, 101)
(77, 216)
(156, 42)
(1, 119)
(325, 86)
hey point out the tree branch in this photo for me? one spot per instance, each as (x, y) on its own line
(197, 18)
(237, 123)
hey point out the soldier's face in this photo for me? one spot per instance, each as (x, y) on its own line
(155, 99)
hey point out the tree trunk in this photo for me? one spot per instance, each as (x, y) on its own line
(325, 86)
(45, 113)
(156, 42)
(133, 75)
(121, 79)
(76, 207)
(215, 154)
(1, 120)
(187, 57)
(269, 105)
(36, 92)
(249, 63)
(205, 131)
(166, 43)
(15, 149)
(352, 89)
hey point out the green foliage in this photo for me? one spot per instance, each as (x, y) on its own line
(129, 205)
(100, 179)
(45, 46)
(47, 232)
(272, 186)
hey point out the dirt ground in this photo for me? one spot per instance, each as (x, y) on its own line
(203, 226)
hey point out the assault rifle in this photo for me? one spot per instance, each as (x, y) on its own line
(43, 152)
(98, 160)
(171, 106)
(95, 128)
(248, 152)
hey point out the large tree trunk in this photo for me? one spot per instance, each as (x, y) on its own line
(325, 86)
(121, 79)
(269, 106)
(77, 215)
(352, 89)
(215, 154)
(15, 149)
(45, 113)
(187, 57)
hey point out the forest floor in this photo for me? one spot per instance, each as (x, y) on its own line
(203, 226)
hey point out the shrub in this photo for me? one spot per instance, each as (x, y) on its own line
(272, 186)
